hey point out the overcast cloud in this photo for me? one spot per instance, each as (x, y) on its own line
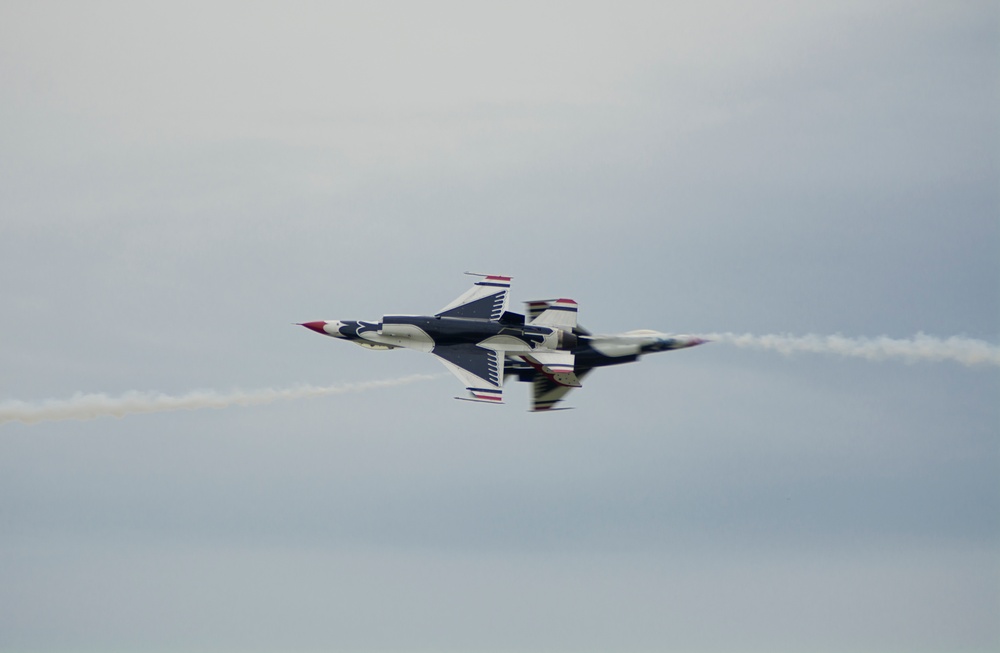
(181, 182)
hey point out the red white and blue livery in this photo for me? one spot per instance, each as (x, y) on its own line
(482, 343)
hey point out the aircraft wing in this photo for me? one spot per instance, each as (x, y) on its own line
(479, 369)
(486, 300)
(546, 393)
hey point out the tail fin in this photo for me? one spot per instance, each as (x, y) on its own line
(560, 314)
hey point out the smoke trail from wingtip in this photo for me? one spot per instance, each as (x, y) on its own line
(91, 406)
(920, 347)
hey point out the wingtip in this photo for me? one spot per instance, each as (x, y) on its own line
(484, 275)
(481, 401)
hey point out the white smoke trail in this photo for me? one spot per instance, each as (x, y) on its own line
(920, 347)
(91, 406)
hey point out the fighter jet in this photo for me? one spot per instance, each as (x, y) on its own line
(482, 343)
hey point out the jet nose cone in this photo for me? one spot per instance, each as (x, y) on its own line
(315, 326)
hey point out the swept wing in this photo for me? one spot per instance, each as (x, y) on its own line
(481, 370)
(486, 300)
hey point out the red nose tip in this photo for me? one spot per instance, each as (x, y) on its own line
(315, 326)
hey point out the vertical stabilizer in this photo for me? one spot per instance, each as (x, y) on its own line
(560, 314)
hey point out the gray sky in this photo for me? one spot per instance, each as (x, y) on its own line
(180, 182)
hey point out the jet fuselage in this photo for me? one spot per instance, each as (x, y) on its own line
(480, 342)
(426, 333)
